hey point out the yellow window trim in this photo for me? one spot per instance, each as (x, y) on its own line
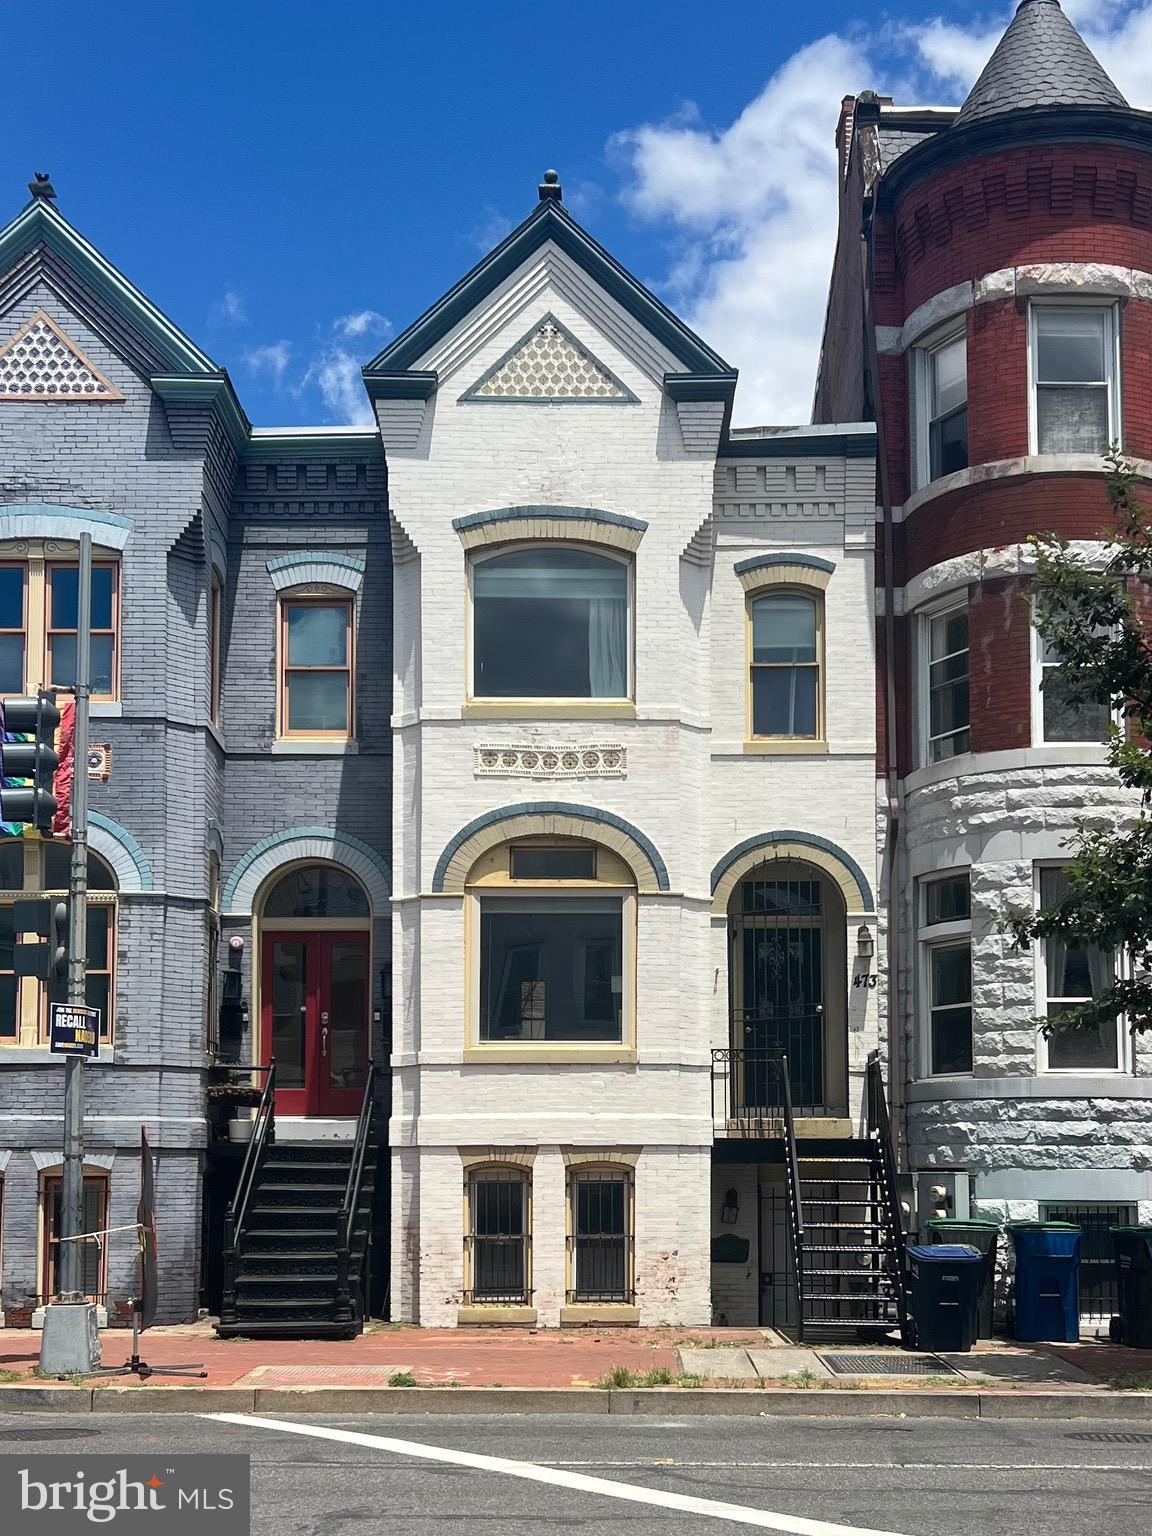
(811, 591)
(548, 709)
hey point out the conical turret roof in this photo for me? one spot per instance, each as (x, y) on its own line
(1041, 61)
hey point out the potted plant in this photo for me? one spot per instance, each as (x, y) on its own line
(227, 1098)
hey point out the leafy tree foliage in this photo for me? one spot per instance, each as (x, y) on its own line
(1089, 616)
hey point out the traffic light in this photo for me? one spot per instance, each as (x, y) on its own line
(47, 918)
(28, 760)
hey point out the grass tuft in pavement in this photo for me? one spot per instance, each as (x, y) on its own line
(1140, 1382)
(402, 1379)
(621, 1377)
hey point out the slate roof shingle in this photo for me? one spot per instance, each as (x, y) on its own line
(1041, 61)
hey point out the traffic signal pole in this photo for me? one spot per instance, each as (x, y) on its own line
(70, 1343)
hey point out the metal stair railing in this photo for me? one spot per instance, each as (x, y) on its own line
(795, 1208)
(880, 1131)
(263, 1136)
(349, 1307)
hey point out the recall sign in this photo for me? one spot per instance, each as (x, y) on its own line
(75, 1029)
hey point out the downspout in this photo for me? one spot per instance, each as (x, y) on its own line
(891, 756)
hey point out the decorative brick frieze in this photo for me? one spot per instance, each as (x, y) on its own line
(507, 761)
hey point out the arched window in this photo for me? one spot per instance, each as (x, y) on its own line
(785, 661)
(553, 944)
(29, 868)
(550, 621)
(316, 890)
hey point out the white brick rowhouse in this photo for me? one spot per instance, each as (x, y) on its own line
(689, 805)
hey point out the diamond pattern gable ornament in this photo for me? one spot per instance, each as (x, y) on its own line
(40, 363)
(550, 366)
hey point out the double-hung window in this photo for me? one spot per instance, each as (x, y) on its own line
(94, 1218)
(1056, 716)
(1075, 405)
(39, 602)
(944, 710)
(550, 621)
(1069, 975)
(943, 413)
(316, 667)
(784, 665)
(945, 933)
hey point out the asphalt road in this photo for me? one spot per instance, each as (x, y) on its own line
(915, 1478)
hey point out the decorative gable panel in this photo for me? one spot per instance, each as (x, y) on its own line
(549, 366)
(40, 363)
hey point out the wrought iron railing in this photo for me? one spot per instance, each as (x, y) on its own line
(262, 1137)
(795, 1205)
(351, 1267)
(880, 1130)
(747, 1085)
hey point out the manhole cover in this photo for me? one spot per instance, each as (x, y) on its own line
(893, 1364)
(1110, 1437)
(52, 1432)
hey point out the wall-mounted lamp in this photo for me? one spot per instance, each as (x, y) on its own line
(865, 943)
(730, 1210)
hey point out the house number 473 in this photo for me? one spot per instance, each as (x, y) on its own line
(865, 981)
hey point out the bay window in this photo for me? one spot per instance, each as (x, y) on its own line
(945, 935)
(1075, 408)
(1070, 974)
(944, 707)
(549, 621)
(943, 408)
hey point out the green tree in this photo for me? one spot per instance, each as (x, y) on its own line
(1089, 616)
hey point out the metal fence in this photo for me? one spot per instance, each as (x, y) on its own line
(1098, 1294)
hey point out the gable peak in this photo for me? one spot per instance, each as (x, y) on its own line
(40, 363)
(549, 366)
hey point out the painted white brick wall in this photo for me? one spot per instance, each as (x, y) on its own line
(689, 788)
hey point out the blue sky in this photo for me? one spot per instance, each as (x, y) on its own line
(293, 181)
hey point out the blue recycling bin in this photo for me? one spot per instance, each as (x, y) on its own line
(1047, 1281)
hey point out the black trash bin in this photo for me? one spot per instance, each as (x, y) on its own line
(943, 1286)
(1133, 1248)
(984, 1236)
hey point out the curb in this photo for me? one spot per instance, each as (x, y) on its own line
(753, 1402)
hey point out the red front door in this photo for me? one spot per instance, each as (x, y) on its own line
(315, 1019)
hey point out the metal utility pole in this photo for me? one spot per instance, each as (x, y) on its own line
(70, 1342)
(71, 1253)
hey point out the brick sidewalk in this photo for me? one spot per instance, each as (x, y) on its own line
(507, 1357)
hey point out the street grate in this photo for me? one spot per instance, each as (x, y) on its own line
(48, 1432)
(1110, 1437)
(894, 1363)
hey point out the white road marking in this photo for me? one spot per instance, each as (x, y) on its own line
(655, 1463)
(558, 1478)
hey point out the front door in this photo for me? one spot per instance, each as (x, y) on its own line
(315, 1018)
(777, 970)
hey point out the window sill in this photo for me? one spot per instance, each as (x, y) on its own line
(599, 1313)
(481, 1316)
(577, 1055)
(548, 709)
(785, 748)
(289, 746)
(106, 709)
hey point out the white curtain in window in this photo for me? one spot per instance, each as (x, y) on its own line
(607, 648)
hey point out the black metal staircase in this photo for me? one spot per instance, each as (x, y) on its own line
(846, 1224)
(298, 1234)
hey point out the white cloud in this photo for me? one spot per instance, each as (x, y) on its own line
(272, 360)
(229, 309)
(363, 322)
(752, 206)
(335, 372)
